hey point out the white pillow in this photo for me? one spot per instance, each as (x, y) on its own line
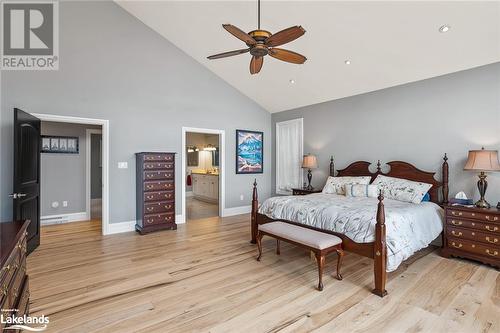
(402, 189)
(335, 185)
(358, 190)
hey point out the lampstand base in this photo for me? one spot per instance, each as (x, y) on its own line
(482, 204)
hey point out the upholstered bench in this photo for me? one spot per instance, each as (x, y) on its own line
(318, 242)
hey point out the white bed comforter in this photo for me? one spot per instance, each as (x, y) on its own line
(409, 227)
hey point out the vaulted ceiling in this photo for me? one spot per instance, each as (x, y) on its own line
(387, 43)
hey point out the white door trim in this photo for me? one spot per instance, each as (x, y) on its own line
(105, 156)
(88, 159)
(222, 167)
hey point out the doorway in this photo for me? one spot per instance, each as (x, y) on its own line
(71, 168)
(203, 173)
(92, 201)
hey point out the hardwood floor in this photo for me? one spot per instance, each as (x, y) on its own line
(204, 278)
(197, 209)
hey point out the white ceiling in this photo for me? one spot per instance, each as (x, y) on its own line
(388, 43)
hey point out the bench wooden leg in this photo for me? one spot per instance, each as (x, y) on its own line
(278, 252)
(259, 244)
(340, 256)
(321, 264)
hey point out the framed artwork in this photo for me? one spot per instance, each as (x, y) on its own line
(249, 152)
(60, 144)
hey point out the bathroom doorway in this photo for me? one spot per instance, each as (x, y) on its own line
(202, 174)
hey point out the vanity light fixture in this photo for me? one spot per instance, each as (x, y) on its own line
(292, 81)
(347, 62)
(210, 147)
(444, 28)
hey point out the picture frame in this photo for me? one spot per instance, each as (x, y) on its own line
(60, 144)
(249, 152)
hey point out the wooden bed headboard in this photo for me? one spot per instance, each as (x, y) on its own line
(400, 169)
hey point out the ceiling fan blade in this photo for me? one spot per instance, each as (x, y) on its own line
(228, 54)
(285, 36)
(256, 64)
(240, 34)
(288, 56)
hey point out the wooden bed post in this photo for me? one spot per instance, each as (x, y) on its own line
(255, 208)
(380, 250)
(445, 180)
(332, 167)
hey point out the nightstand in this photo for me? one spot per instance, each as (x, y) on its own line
(472, 233)
(304, 191)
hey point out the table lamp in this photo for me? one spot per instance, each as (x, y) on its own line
(309, 162)
(483, 161)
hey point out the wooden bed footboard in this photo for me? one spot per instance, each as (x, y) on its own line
(376, 250)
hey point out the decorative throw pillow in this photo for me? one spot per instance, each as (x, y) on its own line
(358, 190)
(402, 189)
(336, 185)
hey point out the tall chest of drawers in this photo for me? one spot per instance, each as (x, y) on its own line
(472, 233)
(155, 196)
(14, 292)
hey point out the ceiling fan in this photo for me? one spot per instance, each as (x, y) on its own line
(261, 43)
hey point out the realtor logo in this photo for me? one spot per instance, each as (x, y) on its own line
(30, 35)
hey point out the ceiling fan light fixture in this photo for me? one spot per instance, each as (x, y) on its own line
(261, 43)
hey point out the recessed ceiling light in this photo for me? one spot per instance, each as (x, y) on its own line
(292, 81)
(444, 28)
(347, 62)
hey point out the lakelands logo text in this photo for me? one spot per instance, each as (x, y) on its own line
(28, 323)
(30, 35)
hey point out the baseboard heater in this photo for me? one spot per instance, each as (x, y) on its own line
(63, 218)
(54, 219)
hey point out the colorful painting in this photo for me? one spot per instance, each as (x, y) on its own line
(249, 152)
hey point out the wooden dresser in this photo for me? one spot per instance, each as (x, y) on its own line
(155, 194)
(14, 285)
(472, 233)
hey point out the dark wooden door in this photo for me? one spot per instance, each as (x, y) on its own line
(26, 194)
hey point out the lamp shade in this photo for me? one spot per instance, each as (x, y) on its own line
(482, 160)
(309, 162)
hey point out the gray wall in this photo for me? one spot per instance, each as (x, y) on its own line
(96, 166)
(416, 122)
(114, 67)
(63, 175)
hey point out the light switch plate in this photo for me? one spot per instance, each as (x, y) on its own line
(122, 165)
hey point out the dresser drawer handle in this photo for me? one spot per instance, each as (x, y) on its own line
(493, 241)
(167, 196)
(4, 290)
(168, 206)
(149, 187)
(456, 214)
(149, 176)
(150, 208)
(458, 234)
(456, 222)
(456, 246)
(491, 219)
(149, 220)
(6, 268)
(490, 228)
(150, 197)
(491, 253)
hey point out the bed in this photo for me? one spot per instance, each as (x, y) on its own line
(388, 231)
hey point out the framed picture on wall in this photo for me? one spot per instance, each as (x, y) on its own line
(60, 144)
(249, 152)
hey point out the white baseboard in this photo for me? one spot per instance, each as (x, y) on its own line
(117, 228)
(127, 226)
(64, 218)
(236, 211)
(189, 194)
